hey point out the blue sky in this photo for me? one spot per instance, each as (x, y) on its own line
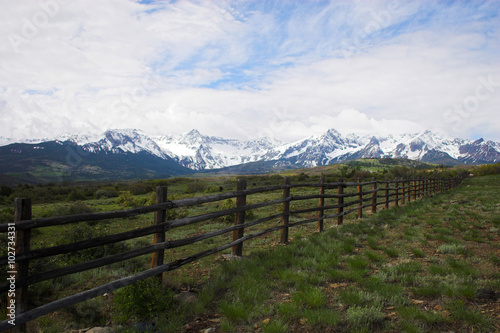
(243, 69)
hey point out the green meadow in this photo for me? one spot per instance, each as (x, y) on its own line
(428, 266)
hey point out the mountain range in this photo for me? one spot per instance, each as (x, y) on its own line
(132, 154)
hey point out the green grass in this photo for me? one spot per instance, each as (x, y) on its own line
(367, 279)
(350, 278)
(418, 252)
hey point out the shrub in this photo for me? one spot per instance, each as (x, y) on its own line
(213, 189)
(143, 300)
(126, 199)
(78, 207)
(73, 208)
(195, 186)
(5, 191)
(6, 215)
(487, 169)
(140, 188)
(75, 195)
(83, 231)
(107, 192)
(230, 204)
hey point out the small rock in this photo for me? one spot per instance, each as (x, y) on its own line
(144, 326)
(209, 330)
(228, 257)
(186, 297)
(487, 294)
(101, 330)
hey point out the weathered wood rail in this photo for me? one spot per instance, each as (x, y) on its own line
(347, 201)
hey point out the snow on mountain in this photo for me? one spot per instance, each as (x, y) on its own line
(80, 139)
(317, 149)
(117, 141)
(5, 141)
(479, 151)
(332, 147)
(199, 152)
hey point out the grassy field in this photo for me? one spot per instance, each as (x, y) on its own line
(429, 266)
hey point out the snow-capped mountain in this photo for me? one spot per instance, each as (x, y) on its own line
(317, 149)
(126, 140)
(199, 152)
(138, 154)
(332, 147)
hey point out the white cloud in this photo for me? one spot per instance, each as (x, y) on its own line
(242, 69)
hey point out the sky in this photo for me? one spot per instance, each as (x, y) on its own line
(247, 69)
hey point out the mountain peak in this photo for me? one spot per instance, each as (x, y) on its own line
(478, 141)
(374, 141)
(333, 133)
(193, 132)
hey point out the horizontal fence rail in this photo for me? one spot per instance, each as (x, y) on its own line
(345, 198)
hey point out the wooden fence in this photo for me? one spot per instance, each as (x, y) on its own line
(347, 198)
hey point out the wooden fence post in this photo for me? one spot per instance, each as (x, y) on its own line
(285, 219)
(403, 201)
(19, 270)
(239, 217)
(360, 199)
(157, 258)
(414, 190)
(374, 196)
(321, 205)
(409, 190)
(340, 210)
(396, 193)
(386, 193)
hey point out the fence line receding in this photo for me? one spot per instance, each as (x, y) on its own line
(327, 202)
